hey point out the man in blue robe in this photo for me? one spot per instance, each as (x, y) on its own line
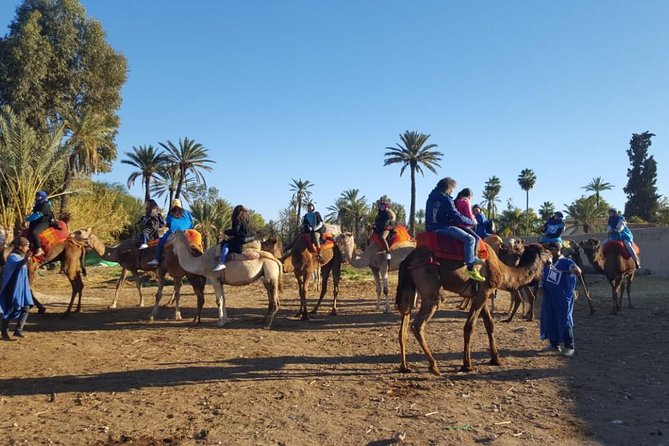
(15, 294)
(557, 308)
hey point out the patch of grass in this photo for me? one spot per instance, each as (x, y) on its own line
(355, 274)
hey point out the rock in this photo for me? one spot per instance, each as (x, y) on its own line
(399, 437)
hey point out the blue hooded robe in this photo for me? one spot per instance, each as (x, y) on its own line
(15, 292)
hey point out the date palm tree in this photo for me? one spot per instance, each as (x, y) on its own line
(28, 159)
(189, 157)
(148, 161)
(491, 192)
(351, 210)
(89, 136)
(413, 152)
(597, 185)
(301, 195)
(546, 210)
(527, 179)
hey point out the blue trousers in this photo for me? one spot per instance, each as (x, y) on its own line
(463, 236)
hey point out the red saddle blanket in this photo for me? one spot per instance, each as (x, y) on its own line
(399, 234)
(445, 247)
(51, 236)
(619, 246)
(328, 244)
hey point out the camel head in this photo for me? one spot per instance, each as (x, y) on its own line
(533, 251)
(346, 244)
(517, 245)
(590, 246)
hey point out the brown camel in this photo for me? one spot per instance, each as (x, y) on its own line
(615, 268)
(71, 253)
(421, 274)
(305, 263)
(374, 258)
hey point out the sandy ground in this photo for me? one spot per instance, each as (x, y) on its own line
(108, 377)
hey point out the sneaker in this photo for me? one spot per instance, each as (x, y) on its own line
(388, 256)
(551, 349)
(143, 246)
(153, 262)
(5, 336)
(219, 267)
(474, 274)
(568, 353)
(638, 265)
(19, 334)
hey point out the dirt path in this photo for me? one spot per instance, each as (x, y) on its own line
(107, 377)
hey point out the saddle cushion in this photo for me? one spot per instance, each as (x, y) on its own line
(328, 244)
(399, 234)
(448, 248)
(619, 246)
(195, 238)
(51, 236)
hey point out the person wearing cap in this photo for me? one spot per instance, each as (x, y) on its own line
(15, 294)
(553, 229)
(151, 223)
(39, 220)
(618, 230)
(557, 307)
(383, 224)
(442, 216)
(236, 236)
(178, 219)
(312, 223)
(484, 227)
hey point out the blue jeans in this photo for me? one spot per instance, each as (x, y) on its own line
(463, 236)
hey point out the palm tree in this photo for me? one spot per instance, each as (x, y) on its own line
(354, 208)
(585, 211)
(491, 192)
(27, 161)
(415, 153)
(527, 179)
(89, 134)
(546, 210)
(301, 195)
(210, 218)
(189, 157)
(510, 222)
(597, 185)
(149, 162)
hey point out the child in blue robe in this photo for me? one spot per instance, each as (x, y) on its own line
(15, 294)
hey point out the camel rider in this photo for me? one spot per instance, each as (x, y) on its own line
(383, 224)
(151, 223)
(484, 226)
(618, 230)
(312, 223)
(39, 220)
(443, 217)
(553, 229)
(238, 235)
(178, 219)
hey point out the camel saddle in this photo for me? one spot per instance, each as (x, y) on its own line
(194, 240)
(619, 246)
(448, 248)
(398, 235)
(50, 236)
(327, 244)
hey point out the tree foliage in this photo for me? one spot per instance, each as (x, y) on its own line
(597, 185)
(526, 180)
(642, 197)
(588, 213)
(491, 191)
(413, 152)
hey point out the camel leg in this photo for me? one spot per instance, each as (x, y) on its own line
(119, 285)
(159, 293)
(377, 287)
(404, 331)
(629, 289)
(478, 302)
(41, 309)
(516, 299)
(336, 276)
(220, 302)
(463, 303)
(198, 284)
(531, 298)
(138, 285)
(80, 292)
(492, 302)
(272, 288)
(490, 329)
(429, 305)
(177, 297)
(615, 290)
(384, 276)
(325, 275)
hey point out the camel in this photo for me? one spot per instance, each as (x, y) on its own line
(495, 242)
(305, 263)
(253, 264)
(421, 274)
(274, 246)
(374, 258)
(71, 253)
(615, 268)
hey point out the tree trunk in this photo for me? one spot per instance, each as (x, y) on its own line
(67, 182)
(147, 189)
(412, 211)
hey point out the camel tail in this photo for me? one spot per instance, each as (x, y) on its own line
(406, 288)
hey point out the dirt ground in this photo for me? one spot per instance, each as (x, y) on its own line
(108, 377)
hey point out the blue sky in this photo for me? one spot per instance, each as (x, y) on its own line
(281, 90)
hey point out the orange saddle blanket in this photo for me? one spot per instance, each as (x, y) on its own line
(51, 236)
(399, 234)
(328, 244)
(445, 247)
(619, 246)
